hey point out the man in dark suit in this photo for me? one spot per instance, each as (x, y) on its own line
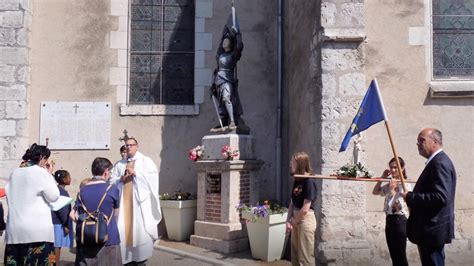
(431, 221)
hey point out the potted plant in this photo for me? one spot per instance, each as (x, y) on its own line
(179, 212)
(266, 228)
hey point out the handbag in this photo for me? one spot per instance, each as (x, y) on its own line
(91, 227)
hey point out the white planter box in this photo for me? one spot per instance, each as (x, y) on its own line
(179, 218)
(267, 236)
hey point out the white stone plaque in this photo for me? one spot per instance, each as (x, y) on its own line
(75, 125)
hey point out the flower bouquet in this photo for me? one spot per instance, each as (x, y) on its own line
(263, 210)
(196, 153)
(229, 153)
(354, 170)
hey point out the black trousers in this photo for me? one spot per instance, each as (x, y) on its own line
(396, 235)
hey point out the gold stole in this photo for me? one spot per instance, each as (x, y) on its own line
(128, 207)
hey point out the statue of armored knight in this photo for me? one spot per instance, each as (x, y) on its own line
(224, 90)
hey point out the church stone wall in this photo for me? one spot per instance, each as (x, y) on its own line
(15, 17)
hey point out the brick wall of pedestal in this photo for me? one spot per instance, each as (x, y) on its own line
(213, 207)
(245, 187)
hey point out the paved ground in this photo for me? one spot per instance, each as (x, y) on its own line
(169, 253)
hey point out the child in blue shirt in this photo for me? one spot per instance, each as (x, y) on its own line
(63, 232)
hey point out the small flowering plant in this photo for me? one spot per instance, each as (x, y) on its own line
(229, 153)
(177, 195)
(262, 210)
(354, 170)
(196, 153)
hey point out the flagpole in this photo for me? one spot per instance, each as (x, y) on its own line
(399, 167)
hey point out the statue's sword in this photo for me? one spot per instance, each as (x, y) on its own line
(217, 112)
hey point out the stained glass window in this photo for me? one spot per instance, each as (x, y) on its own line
(162, 52)
(453, 39)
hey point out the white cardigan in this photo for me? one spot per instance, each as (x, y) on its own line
(29, 216)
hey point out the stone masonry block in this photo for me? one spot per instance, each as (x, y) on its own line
(199, 94)
(121, 94)
(356, 257)
(123, 23)
(22, 37)
(349, 187)
(18, 147)
(333, 159)
(337, 108)
(12, 19)
(329, 85)
(200, 25)
(202, 76)
(329, 187)
(22, 74)
(351, 15)
(213, 145)
(352, 84)
(7, 128)
(4, 148)
(199, 59)
(13, 56)
(331, 130)
(344, 59)
(203, 41)
(10, 5)
(204, 8)
(2, 109)
(22, 127)
(343, 205)
(16, 109)
(119, 8)
(122, 57)
(345, 228)
(15, 92)
(7, 37)
(7, 73)
(118, 40)
(328, 14)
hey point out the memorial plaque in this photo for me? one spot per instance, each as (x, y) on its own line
(75, 125)
(213, 183)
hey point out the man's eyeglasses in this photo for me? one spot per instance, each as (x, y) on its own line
(130, 145)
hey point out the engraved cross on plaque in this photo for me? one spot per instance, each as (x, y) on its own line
(75, 108)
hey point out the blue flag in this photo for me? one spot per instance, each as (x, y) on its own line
(371, 111)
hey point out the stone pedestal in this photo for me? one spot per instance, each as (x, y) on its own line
(222, 185)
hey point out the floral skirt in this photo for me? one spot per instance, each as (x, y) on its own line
(38, 253)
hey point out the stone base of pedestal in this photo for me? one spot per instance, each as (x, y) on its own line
(220, 237)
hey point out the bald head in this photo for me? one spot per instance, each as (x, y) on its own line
(429, 141)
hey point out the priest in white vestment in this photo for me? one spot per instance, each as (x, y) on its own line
(137, 178)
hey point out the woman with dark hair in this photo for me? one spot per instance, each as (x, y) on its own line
(396, 212)
(30, 232)
(301, 221)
